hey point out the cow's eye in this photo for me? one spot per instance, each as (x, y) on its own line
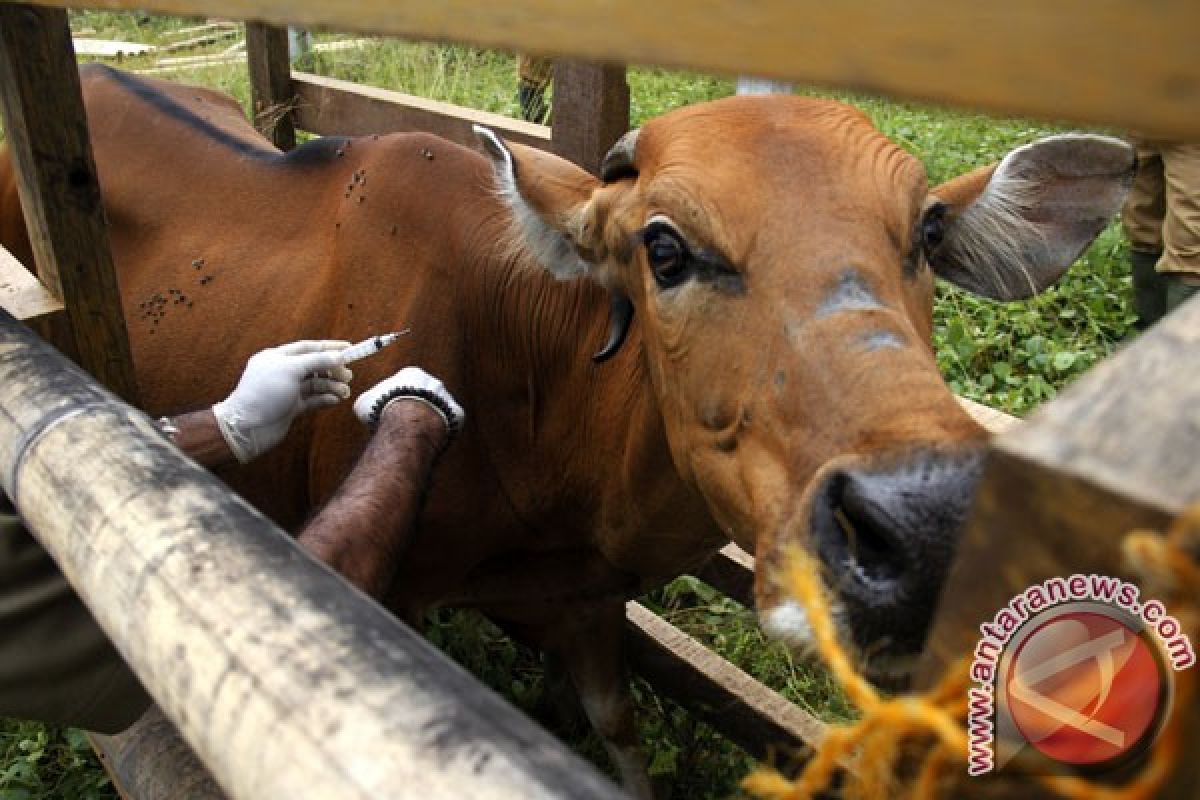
(667, 254)
(933, 227)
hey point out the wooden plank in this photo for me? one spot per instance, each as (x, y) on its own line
(56, 177)
(591, 111)
(731, 571)
(200, 41)
(208, 64)
(993, 421)
(233, 54)
(271, 91)
(23, 295)
(189, 61)
(1117, 451)
(756, 718)
(339, 108)
(285, 680)
(1114, 62)
(194, 30)
(107, 48)
(150, 761)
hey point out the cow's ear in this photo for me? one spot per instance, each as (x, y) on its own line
(1010, 230)
(554, 204)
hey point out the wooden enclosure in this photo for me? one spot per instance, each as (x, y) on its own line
(1056, 491)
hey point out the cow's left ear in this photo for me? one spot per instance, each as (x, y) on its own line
(557, 208)
(1010, 230)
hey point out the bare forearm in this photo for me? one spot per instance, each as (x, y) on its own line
(198, 435)
(364, 529)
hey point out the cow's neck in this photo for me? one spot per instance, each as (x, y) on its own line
(573, 439)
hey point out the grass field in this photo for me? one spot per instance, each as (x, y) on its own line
(1011, 356)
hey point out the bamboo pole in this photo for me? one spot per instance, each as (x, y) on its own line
(285, 681)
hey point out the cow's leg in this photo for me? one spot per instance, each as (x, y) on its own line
(592, 653)
(561, 700)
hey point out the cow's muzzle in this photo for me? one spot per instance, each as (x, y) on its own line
(885, 538)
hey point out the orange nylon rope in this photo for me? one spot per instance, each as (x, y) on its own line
(871, 747)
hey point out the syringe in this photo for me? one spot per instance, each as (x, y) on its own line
(369, 347)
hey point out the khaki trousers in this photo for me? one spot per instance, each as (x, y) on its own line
(1162, 212)
(535, 72)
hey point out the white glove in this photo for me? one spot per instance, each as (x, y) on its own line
(278, 384)
(412, 383)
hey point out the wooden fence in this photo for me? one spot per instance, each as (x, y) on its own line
(1109, 454)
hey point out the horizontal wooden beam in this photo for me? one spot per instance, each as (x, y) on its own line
(730, 571)
(23, 295)
(331, 107)
(1112, 62)
(753, 716)
(285, 681)
(992, 420)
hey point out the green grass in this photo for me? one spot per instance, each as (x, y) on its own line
(42, 762)
(1010, 356)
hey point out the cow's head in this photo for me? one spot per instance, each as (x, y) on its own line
(779, 254)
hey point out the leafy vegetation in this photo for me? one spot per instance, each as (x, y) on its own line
(42, 762)
(1010, 356)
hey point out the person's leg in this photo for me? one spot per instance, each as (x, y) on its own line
(1142, 218)
(1180, 263)
(56, 665)
(533, 76)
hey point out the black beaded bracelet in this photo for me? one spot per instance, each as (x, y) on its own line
(433, 399)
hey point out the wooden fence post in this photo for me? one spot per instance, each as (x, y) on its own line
(56, 177)
(271, 83)
(591, 110)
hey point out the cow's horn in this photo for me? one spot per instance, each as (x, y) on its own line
(619, 161)
(620, 315)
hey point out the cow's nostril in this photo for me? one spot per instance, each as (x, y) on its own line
(869, 551)
(854, 541)
(886, 536)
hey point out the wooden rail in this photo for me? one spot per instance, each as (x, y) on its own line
(1113, 62)
(332, 107)
(761, 721)
(23, 295)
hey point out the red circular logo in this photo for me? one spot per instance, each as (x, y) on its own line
(1084, 688)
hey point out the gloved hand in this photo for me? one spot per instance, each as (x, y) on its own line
(412, 383)
(278, 384)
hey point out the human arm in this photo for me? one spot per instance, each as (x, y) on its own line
(363, 530)
(277, 385)
(198, 435)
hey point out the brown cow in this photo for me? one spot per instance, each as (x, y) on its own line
(777, 385)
